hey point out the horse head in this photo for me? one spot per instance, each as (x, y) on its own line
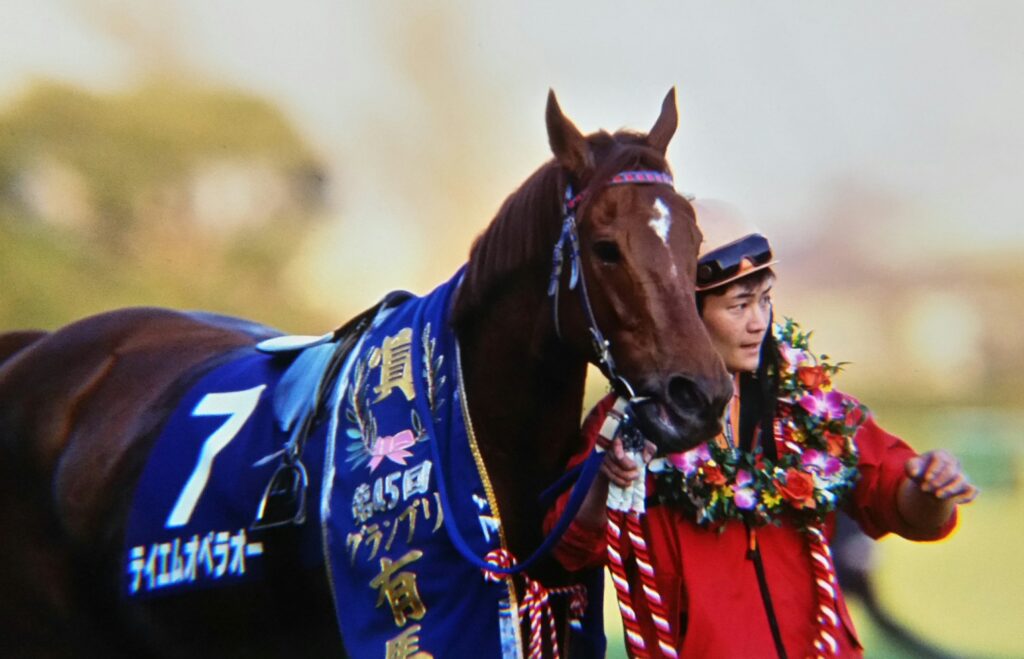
(635, 248)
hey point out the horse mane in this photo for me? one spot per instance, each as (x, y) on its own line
(523, 233)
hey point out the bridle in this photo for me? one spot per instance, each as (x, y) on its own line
(569, 242)
(582, 476)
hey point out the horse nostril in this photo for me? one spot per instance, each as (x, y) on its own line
(686, 395)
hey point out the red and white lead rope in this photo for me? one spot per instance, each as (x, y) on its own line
(630, 625)
(829, 625)
(655, 605)
(659, 616)
(625, 506)
(536, 604)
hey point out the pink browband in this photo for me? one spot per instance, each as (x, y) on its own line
(641, 176)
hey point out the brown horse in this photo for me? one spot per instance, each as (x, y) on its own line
(81, 407)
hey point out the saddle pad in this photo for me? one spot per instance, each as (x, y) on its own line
(189, 526)
(397, 420)
(401, 587)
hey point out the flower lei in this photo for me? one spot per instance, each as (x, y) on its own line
(817, 458)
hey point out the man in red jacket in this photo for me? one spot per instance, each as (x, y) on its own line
(736, 531)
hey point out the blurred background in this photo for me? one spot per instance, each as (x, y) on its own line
(292, 162)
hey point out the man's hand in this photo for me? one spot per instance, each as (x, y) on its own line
(619, 468)
(939, 474)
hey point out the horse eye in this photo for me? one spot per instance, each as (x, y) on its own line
(607, 251)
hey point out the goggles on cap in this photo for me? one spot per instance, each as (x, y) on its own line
(726, 262)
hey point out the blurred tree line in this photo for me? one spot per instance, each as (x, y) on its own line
(169, 194)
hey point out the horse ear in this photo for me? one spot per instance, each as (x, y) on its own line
(567, 142)
(665, 127)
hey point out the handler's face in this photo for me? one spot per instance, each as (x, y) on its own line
(737, 321)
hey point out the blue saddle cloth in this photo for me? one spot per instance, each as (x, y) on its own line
(395, 420)
(189, 526)
(400, 585)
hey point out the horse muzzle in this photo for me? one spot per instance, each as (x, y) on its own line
(686, 413)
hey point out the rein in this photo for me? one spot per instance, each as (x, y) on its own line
(569, 242)
(590, 469)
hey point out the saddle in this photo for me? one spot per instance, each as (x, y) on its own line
(300, 403)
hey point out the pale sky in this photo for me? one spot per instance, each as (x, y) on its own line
(430, 113)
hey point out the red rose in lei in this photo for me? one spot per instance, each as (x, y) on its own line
(798, 488)
(812, 377)
(835, 443)
(713, 475)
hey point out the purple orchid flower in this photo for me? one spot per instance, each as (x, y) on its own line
(820, 463)
(744, 497)
(826, 405)
(691, 460)
(793, 356)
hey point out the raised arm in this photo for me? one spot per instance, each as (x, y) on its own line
(935, 485)
(901, 492)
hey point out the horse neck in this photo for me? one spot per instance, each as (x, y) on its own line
(524, 392)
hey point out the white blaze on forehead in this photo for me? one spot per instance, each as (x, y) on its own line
(661, 223)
